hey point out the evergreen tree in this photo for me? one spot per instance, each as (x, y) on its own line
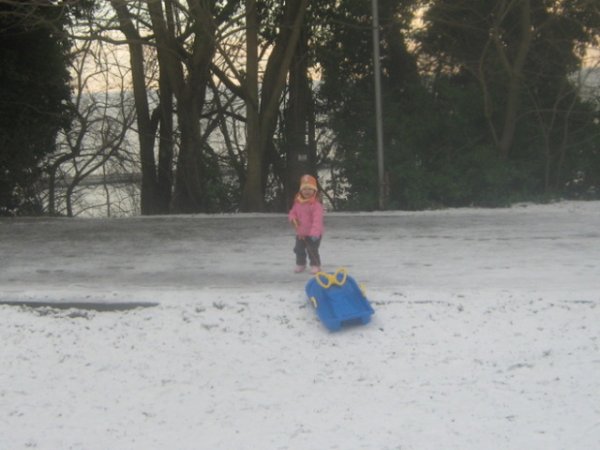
(33, 88)
(516, 60)
(480, 109)
(412, 126)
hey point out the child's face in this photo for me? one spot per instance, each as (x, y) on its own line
(307, 192)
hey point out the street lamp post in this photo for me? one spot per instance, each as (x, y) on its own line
(378, 111)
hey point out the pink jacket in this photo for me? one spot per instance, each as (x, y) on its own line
(309, 216)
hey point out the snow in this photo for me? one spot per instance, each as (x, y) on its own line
(485, 333)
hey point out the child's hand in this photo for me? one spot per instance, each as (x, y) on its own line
(295, 223)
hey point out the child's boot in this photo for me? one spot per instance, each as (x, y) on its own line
(299, 269)
(314, 270)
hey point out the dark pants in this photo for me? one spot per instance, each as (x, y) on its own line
(307, 246)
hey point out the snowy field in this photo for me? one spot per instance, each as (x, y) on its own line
(193, 333)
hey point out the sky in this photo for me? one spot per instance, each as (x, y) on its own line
(193, 332)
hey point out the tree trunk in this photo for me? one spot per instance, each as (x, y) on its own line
(52, 193)
(252, 195)
(165, 145)
(145, 131)
(300, 155)
(189, 196)
(515, 78)
(52, 182)
(272, 87)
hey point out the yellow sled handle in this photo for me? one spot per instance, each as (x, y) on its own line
(331, 280)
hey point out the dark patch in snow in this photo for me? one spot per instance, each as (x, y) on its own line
(90, 306)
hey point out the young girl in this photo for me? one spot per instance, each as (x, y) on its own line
(307, 217)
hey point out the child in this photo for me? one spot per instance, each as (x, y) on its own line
(307, 217)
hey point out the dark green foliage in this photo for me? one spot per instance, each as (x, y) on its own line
(443, 123)
(552, 125)
(434, 148)
(33, 89)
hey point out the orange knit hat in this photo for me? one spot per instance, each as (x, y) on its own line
(308, 181)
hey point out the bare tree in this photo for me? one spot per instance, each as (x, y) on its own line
(186, 68)
(185, 37)
(97, 134)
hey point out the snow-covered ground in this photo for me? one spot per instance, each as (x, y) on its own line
(485, 334)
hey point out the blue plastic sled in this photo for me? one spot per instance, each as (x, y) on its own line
(338, 299)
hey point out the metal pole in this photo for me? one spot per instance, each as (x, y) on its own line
(378, 111)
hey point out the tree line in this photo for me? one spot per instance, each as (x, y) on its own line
(222, 105)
